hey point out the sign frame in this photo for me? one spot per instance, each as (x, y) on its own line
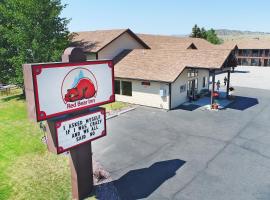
(36, 69)
(57, 124)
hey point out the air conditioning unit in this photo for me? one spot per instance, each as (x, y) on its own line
(162, 92)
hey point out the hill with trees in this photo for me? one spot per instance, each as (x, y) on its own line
(210, 35)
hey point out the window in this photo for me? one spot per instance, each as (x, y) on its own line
(265, 62)
(204, 82)
(254, 62)
(117, 87)
(240, 52)
(246, 52)
(255, 53)
(192, 73)
(261, 52)
(123, 87)
(147, 83)
(193, 83)
(239, 61)
(245, 62)
(267, 53)
(126, 88)
(196, 84)
(182, 88)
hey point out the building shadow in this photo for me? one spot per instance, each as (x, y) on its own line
(189, 107)
(140, 183)
(241, 71)
(243, 103)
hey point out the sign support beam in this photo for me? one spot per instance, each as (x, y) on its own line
(213, 88)
(81, 171)
(81, 156)
(228, 83)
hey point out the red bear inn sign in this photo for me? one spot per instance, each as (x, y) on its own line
(62, 88)
(67, 96)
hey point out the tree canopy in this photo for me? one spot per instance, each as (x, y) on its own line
(31, 31)
(209, 35)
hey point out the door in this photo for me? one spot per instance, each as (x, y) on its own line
(192, 88)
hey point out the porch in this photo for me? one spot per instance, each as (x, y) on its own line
(203, 103)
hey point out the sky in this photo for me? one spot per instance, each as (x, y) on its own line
(168, 17)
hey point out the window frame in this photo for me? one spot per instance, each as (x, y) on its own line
(192, 73)
(126, 92)
(115, 86)
(183, 88)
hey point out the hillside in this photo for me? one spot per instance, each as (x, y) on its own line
(228, 35)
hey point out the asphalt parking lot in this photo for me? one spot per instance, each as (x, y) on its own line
(191, 155)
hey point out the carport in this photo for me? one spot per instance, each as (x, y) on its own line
(227, 67)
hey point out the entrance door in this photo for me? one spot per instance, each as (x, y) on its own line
(192, 88)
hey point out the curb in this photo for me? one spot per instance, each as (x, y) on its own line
(120, 113)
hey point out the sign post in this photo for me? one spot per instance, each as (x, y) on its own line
(66, 95)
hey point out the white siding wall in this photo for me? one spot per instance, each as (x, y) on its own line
(147, 95)
(178, 98)
(91, 56)
(125, 41)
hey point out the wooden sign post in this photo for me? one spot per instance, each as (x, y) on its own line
(66, 95)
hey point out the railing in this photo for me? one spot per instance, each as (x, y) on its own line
(7, 90)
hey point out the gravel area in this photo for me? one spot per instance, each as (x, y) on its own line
(104, 187)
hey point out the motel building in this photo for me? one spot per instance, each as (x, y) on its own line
(157, 71)
(251, 52)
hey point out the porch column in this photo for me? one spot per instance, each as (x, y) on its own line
(228, 83)
(213, 87)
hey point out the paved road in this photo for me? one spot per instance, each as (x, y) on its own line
(191, 155)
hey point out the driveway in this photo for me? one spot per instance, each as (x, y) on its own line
(191, 155)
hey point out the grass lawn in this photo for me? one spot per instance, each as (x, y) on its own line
(27, 169)
(115, 106)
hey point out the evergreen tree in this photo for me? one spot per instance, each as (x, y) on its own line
(203, 33)
(31, 31)
(209, 35)
(196, 32)
(212, 37)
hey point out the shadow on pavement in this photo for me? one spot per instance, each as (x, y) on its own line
(140, 183)
(189, 107)
(243, 103)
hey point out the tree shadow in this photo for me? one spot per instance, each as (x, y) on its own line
(14, 97)
(243, 103)
(140, 183)
(85, 45)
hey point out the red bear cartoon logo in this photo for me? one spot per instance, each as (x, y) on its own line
(84, 89)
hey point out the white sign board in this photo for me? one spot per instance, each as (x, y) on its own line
(67, 87)
(73, 132)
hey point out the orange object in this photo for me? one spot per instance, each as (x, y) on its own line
(215, 94)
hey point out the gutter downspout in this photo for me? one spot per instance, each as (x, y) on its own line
(170, 96)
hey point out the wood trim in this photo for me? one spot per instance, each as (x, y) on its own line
(131, 34)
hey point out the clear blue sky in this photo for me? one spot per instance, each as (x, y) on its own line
(167, 16)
